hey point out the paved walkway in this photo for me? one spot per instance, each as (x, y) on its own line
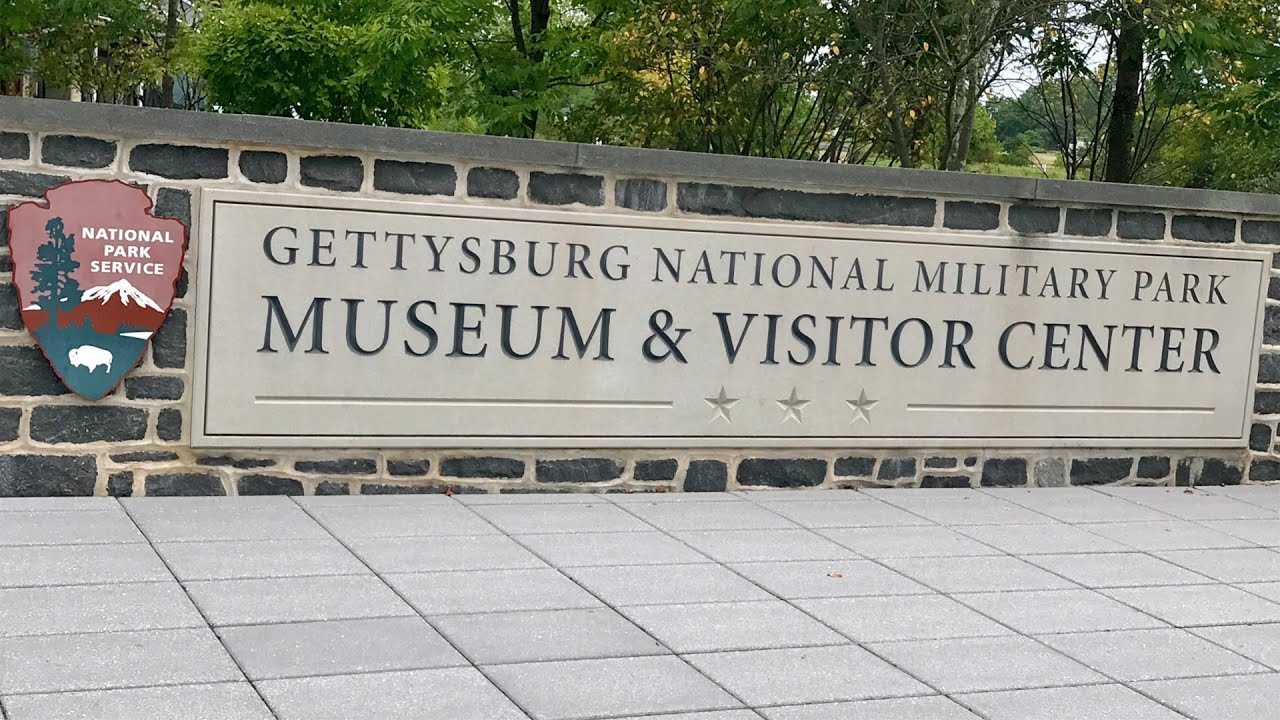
(1123, 604)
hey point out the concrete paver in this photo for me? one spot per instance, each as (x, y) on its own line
(1084, 702)
(666, 584)
(1132, 655)
(1004, 604)
(338, 647)
(220, 701)
(541, 635)
(609, 687)
(461, 693)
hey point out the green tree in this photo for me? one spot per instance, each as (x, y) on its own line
(53, 268)
(375, 62)
(104, 49)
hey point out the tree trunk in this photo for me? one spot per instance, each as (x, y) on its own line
(1124, 101)
(170, 35)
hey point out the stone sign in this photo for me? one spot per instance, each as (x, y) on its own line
(95, 271)
(342, 322)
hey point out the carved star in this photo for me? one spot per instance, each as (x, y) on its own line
(861, 407)
(721, 404)
(792, 406)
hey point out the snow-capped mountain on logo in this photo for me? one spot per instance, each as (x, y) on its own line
(123, 291)
(117, 307)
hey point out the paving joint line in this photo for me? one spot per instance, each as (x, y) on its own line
(203, 616)
(620, 614)
(856, 643)
(413, 607)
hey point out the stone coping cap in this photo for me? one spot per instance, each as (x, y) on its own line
(47, 116)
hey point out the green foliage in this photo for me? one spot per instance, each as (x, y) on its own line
(984, 147)
(99, 47)
(377, 62)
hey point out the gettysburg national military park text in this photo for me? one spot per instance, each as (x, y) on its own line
(836, 330)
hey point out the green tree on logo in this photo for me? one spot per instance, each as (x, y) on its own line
(54, 266)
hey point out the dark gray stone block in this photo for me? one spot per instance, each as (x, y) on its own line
(174, 203)
(16, 182)
(1204, 228)
(24, 371)
(180, 162)
(268, 485)
(184, 485)
(578, 470)
(566, 188)
(153, 387)
(739, 201)
(241, 463)
(1220, 472)
(340, 466)
(854, 466)
(1273, 288)
(1034, 219)
(1004, 472)
(120, 484)
(1153, 467)
(1140, 225)
(332, 172)
(655, 470)
(9, 421)
(971, 461)
(144, 457)
(333, 488)
(1050, 472)
(262, 166)
(1264, 471)
(414, 178)
(782, 472)
(896, 468)
(169, 425)
(47, 475)
(1271, 325)
(1088, 222)
(640, 194)
(965, 215)
(1099, 471)
(945, 481)
(706, 476)
(482, 467)
(15, 146)
(1260, 437)
(6, 262)
(10, 314)
(1266, 402)
(408, 468)
(495, 183)
(169, 344)
(1182, 475)
(1260, 232)
(76, 151)
(939, 463)
(1269, 368)
(87, 423)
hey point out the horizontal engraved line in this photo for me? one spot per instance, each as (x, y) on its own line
(957, 407)
(467, 402)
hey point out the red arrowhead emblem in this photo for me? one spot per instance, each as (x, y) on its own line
(96, 273)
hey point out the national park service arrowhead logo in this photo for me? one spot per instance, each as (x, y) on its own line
(96, 273)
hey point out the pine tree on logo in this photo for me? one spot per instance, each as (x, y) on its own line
(52, 273)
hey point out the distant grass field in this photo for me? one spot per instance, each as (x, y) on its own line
(1046, 165)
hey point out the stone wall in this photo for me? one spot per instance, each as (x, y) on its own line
(135, 441)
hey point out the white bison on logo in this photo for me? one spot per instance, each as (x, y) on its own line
(90, 357)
